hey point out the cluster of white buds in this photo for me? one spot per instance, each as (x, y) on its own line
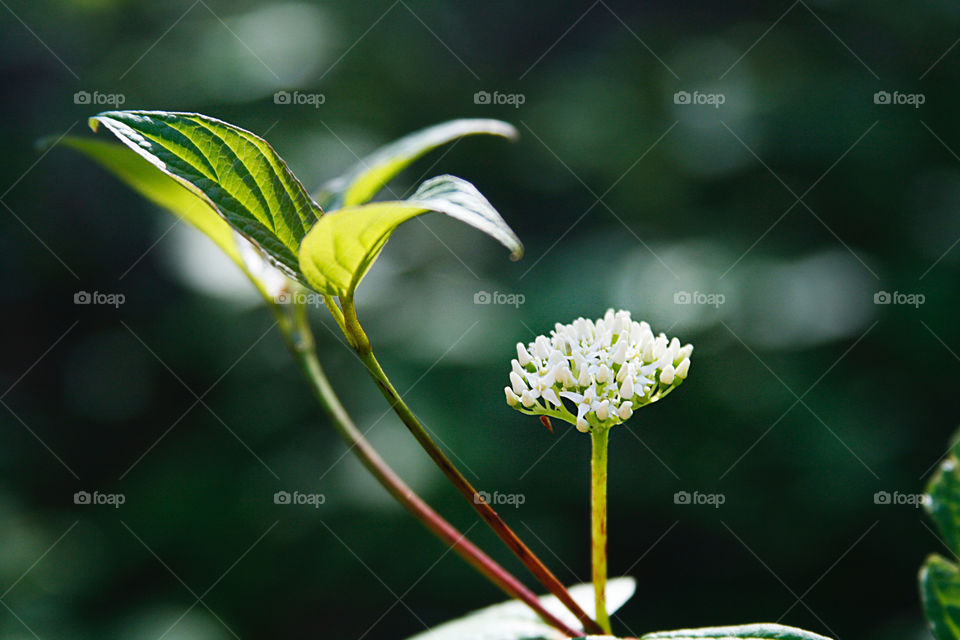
(606, 369)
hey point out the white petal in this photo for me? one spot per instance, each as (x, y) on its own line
(626, 410)
(620, 353)
(523, 355)
(623, 373)
(590, 395)
(584, 378)
(541, 347)
(512, 398)
(604, 374)
(666, 376)
(527, 399)
(683, 368)
(603, 410)
(626, 389)
(519, 386)
(550, 378)
(582, 411)
(648, 352)
(551, 396)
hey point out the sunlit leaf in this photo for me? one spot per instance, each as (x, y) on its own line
(343, 245)
(236, 172)
(513, 620)
(762, 631)
(940, 591)
(940, 578)
(362, 181)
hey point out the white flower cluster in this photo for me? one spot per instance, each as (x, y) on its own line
(606, 369)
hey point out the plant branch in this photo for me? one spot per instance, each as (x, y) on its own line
(361, 344)
(300, 342)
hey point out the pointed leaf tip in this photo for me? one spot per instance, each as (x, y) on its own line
(342, 246)
(364, 179)
(238, 173)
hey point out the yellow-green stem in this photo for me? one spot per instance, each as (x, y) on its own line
(598, 522)
(361, 344)
(299, 339)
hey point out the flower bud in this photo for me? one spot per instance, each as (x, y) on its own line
(523, 355)
(667, 374)
(620, 352)
(519, 386)
(584, 378)
(527, 399)
(604, 374)
(603, 410)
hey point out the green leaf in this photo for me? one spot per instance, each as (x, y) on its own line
(362, 181)
(940, 592)
(237, 173)
(513, 620)
(762, 631)
(344, 244)
(144, 178)
(940, 578)
(943, 500)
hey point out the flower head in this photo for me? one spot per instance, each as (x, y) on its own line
(604, 370)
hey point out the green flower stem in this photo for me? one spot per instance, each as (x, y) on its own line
(299, 340)
(598, 521)
(361, 344)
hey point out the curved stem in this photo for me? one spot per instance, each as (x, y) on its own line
(361, 344)
(299, 340)
(598, 522)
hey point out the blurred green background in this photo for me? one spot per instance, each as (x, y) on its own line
(794, 203)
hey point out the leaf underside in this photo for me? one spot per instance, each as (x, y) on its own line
(344, 244)
(513, 620)
(761, 631)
